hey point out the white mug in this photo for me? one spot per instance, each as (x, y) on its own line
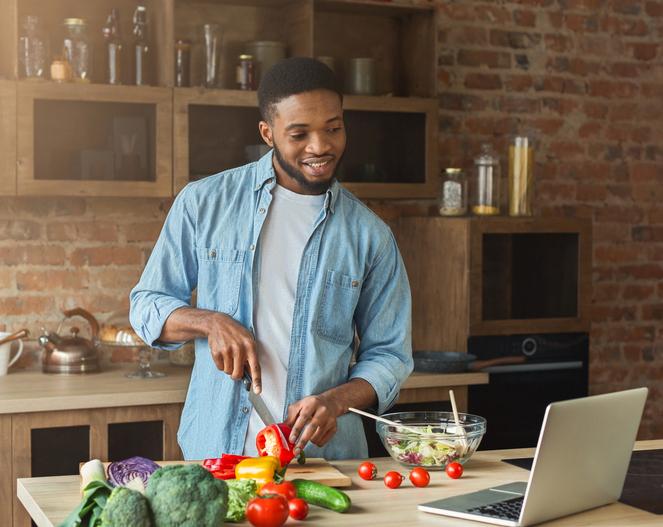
(5, 352)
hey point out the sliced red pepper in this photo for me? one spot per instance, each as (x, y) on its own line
(273, 441)
(224, 473)
(223, 467)
(231, 459)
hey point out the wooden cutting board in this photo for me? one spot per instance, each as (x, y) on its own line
(315, 469)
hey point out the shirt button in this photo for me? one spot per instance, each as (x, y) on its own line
(245, 409)
(252, 248)
(212, 254)
(355, 283)
(261, 211)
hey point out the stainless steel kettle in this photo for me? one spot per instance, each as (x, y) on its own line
(71, 354)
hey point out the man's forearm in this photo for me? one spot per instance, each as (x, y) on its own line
(356, 393)
(187, 323)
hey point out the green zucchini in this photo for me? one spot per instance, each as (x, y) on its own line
(322, 495)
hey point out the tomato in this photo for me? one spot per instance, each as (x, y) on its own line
(298, 509)
(393, 479)
(267, 511)
(454, 470)
(285, 489)
(367, 470)
(419, 477)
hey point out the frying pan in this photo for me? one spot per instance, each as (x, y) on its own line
(456, 362)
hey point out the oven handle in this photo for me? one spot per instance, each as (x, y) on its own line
(535, 367)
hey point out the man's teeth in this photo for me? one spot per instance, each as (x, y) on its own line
(317, 165)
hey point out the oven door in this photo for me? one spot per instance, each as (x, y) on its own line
(515, 400)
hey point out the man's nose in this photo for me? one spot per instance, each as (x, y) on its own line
(318, 143)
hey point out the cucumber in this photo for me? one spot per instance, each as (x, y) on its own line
(322, 495)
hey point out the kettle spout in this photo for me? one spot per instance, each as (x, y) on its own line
(46, 340)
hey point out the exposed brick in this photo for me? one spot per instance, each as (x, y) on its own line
(589, 192)
(492, 125)
(617, 253)
(32, 255)
(644, 50)
(581, 23)
(646, 173)
(652, 89)
(107, 278)
(19, 230)
(590, 129)
(106, 256)
(493, 14)
(652, 311)
(518, 82)
(595, 110)
(619, 213)
(560, 106)
(582, 5)
(101, 231)
(566, 150)
(545, 125)
(492, 59)
(51, 280)
(142, 232)
(627, 7)
(524, 17)
(610, 89)
(513, 104)
(645, 271)
(514, 39)
(459, 101)
(483, 81)
(647, 233)
(444, 78)
(468, 36)
(557, 42)
(556, 19)
(654, 9)
(624, 26)
(23, 305)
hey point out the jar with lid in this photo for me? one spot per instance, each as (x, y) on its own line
(246, 72)
(113, 39)
(521, 164)
(182, 63)
(77, 49)
(32, 50)
(486, 185)
(453, 193)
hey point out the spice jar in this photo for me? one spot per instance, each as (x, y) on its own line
(246, 72)
(77, 49)
(60, 70)
(486, 184)
(453, 193)
(183, 63)
(521, 163)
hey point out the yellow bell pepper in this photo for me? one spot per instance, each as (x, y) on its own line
(261, 469)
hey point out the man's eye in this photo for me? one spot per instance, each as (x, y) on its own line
(334, 130)
(297, 137)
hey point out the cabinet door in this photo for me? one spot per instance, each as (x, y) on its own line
(94, 140)
(7, 138)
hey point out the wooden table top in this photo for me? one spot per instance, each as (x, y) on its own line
(34, 391)
(50, 499)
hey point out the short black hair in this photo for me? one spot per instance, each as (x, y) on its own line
(292, 76)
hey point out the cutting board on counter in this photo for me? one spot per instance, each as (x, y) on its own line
(315, 469)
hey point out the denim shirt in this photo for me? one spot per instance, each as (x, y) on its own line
(351, 276)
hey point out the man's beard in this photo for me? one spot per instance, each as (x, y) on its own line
(313, 187)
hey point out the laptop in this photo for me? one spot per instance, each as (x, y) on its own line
(580, 463)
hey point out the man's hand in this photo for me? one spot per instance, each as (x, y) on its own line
(313, 419)
(232, 347)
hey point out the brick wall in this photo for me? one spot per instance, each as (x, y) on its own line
(582, 77)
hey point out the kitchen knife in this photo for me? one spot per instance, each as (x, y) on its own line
(260, 407)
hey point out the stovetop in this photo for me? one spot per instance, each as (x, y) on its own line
(643, 487)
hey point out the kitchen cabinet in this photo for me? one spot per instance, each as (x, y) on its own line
(495, 276)
(7, 137)
(119, 140)
(94, 140)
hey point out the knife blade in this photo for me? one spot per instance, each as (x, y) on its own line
(260, 407)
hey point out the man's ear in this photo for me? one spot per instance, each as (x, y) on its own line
(266, 133)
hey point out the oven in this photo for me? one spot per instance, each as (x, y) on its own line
(515, 399)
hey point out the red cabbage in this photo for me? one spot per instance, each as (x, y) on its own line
(121, 473)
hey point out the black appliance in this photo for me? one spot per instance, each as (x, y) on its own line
(515, 399)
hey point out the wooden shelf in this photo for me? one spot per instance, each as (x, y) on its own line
(7, 138)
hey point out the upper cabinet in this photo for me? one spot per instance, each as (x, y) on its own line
(7, 138)
(92, 137)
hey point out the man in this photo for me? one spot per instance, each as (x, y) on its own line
(288, 265)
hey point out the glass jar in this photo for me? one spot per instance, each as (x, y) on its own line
(212, 40)
(111, 34)
(453, 193)
(246, 72)
(182, 63)
(521, 164)
(486, 184)
(141, 48)
(32, 51)
(77, 49)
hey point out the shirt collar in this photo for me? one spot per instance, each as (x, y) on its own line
(265, 173)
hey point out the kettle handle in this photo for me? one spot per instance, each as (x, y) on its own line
(79, 311)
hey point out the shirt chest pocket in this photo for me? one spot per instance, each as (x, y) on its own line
(219, 278)
(339, 299)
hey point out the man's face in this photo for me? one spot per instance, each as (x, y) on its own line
(308, 138)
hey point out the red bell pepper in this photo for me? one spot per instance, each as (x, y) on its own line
(273, 441)
(223, 467)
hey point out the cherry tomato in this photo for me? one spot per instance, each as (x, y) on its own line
(285, 489)
(367, 470)
(393, 479)
(454, 470)
(298, 509)
(267, 511)
(419, 477)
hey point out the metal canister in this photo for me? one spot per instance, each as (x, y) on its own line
(361, 76)
(246, 72)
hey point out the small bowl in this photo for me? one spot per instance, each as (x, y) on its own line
(442, 443)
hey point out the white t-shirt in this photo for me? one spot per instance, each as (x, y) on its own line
(287, 228)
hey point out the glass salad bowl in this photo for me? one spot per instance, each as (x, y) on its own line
(439, 442)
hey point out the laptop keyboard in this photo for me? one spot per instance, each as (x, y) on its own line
(508, 509)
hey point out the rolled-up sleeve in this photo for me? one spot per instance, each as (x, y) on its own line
(170, 274)
(383, 318)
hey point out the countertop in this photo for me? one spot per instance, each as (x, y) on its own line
(50, 499)
(34, 391)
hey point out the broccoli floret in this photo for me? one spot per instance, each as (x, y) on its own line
(126, 507)
(187, 496)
